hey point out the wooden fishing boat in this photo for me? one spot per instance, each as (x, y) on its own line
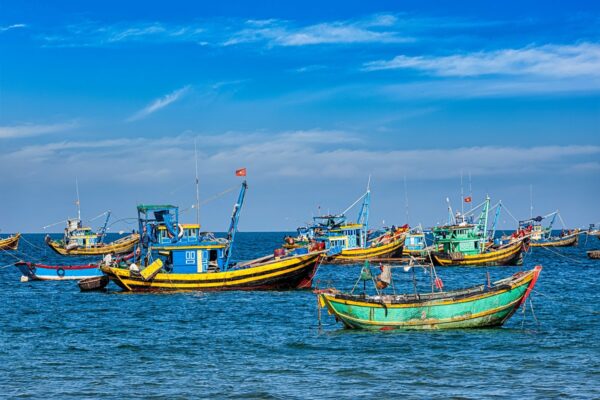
(97, 283)
(595, 254)
(464, 242)
(390, 247)
(564, 241)
(349, 242)
(41, 272)
(476, 307)
(541, 236)
(174, 256)
(123, 245)
(272, 273)
(10, 243)
(510, 254)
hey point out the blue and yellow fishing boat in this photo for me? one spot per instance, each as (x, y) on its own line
(350, 242)
(482, 306)
(174, 256)
(463, 242)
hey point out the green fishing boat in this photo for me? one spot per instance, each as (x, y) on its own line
(482, 306)
(464, 242)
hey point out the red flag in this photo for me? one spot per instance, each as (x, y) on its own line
(240, 172)
(468, 199)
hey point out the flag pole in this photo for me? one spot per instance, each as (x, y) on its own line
(197, 188)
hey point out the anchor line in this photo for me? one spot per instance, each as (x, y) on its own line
(562, 255)
(560, 301)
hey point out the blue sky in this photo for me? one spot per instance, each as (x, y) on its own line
(311, 97)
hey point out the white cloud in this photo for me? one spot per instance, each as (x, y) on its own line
(13, 26)
(549, 60)
(282, 33)
(298, 154)
(27, 130)
(159, 104)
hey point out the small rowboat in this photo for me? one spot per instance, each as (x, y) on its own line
(42, 272)
(475, 307)
(97, 283)
(10, 243)
(595, 254)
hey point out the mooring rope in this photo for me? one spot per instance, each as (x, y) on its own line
(561, 301)
(562, 255)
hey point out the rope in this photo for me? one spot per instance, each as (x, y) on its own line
(560, 301)
(562, 255)
(509, 213)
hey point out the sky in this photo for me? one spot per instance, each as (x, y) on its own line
(311, 97)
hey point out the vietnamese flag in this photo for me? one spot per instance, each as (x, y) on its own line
(468, 199)
(240, 172)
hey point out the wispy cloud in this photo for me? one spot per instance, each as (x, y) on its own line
(549, 60)
(28, 130)
(283, 33)
(13, 26)
(298, 154)
(159, 104)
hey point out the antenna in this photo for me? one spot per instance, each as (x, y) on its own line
(530, 201)
(406, 201)
(197, 188)
(77, 202)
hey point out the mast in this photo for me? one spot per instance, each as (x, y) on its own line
(496, 217)
(363, 215)
(197, 189)
(470, 192)
(235, 216)
(483, 220)
(462, 194)
(530, 201)
(77, 202)
(406, 201)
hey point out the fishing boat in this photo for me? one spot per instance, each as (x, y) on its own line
(593, 231)
(350, 242)
(541, 236)
(415, 243)
(464, 242)
(79, 240)
(10, 243)
(174, 256)
(594, 254)
(482, 306)
(42, 272)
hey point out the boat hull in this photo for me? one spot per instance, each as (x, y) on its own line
(11, 243)
(284, 274)
(349, 256)
(594, 254)
(477, 307)
(41, 272)
(511, 255)
(562, 242)
(122, 246)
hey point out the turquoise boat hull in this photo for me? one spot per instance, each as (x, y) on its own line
(476, 307)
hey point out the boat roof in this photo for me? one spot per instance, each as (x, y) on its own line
(184, 226)
(154, 207)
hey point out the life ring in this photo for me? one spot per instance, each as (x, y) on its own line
(179, 234)
(60, 272)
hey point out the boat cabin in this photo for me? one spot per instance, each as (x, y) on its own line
(466, 239)
(182, 247)
(77, 235)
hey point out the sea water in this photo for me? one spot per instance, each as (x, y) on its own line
(56, 342)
